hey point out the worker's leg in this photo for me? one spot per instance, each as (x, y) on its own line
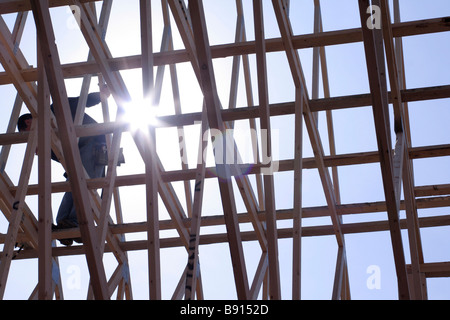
(93, 170)
(65, 208)
(67, 213)
(62, 218)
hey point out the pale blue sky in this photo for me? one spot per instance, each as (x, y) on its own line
(427, 64)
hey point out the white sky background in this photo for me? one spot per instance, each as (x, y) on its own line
(427, 64)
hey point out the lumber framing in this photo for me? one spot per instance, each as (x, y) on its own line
(375, 59)
(247, 209)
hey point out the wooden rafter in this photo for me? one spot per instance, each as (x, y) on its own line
(329, 38)
(45, 210)
(257, 189)
(269, 196)
(223, 169)
(73, 160)
(375, 59)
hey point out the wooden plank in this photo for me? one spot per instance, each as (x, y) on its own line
(316, 58)
(412, 28)
(14, 61)
(11, 6)
(284, 233)
(16, 38)
(339, 273)
(269, 200)
(44, 178)
(4, 153)
(311, 212)
(73, 160)
(361, 158)
(93, 34)
(397, 164)
(260, 274)
(276, 109)
(299, 81)
(182, 18)
(252, 121)
(154, 264)
(101, 53)
(194, 238)
(318, 27)
(373, 44)
(400, 158)
(178, 214)
(435, 269)
(29, 223)
(297, 205)
(11, 63)
(119, 92)
(113, 150)
(16, 208)
(215, 121)
(401, 126)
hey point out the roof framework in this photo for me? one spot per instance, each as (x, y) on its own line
(102, 224)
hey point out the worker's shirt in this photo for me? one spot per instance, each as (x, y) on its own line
(92, 100)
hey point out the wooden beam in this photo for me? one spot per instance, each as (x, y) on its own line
(284, 233)
(297, 205)
(151, 184)
(12, 6)
(16, 208)
(260, 274)
(373, 44)
(194, 237)
(341, 262)
(16, 38)
(299, 81)
(215, 122)
(329, 38)
(361, 158)
(44, 177)
(269, 191)
(182, 18)
(73, 160)
(394, 60)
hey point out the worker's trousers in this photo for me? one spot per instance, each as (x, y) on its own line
(67, 213)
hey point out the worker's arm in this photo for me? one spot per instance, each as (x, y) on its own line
(93, 99)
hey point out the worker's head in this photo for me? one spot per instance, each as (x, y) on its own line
(24, 122)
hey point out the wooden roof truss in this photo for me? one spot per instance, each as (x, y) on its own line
(101, 234)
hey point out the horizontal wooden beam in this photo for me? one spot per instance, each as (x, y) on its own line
(284, 233)
(287, 108)
(434, 269)
(12, 6)
(277, 109)
(283, 165)
(80, 69)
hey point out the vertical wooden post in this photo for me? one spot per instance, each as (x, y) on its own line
(44, 178)
(208, 85)
(269, 199)
(297, 215)
(151, 177)
(373, 44)
(68, 138)
(194, 238)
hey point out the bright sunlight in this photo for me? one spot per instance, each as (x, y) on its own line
(140, 114)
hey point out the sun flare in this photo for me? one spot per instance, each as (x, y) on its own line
(141, 113)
